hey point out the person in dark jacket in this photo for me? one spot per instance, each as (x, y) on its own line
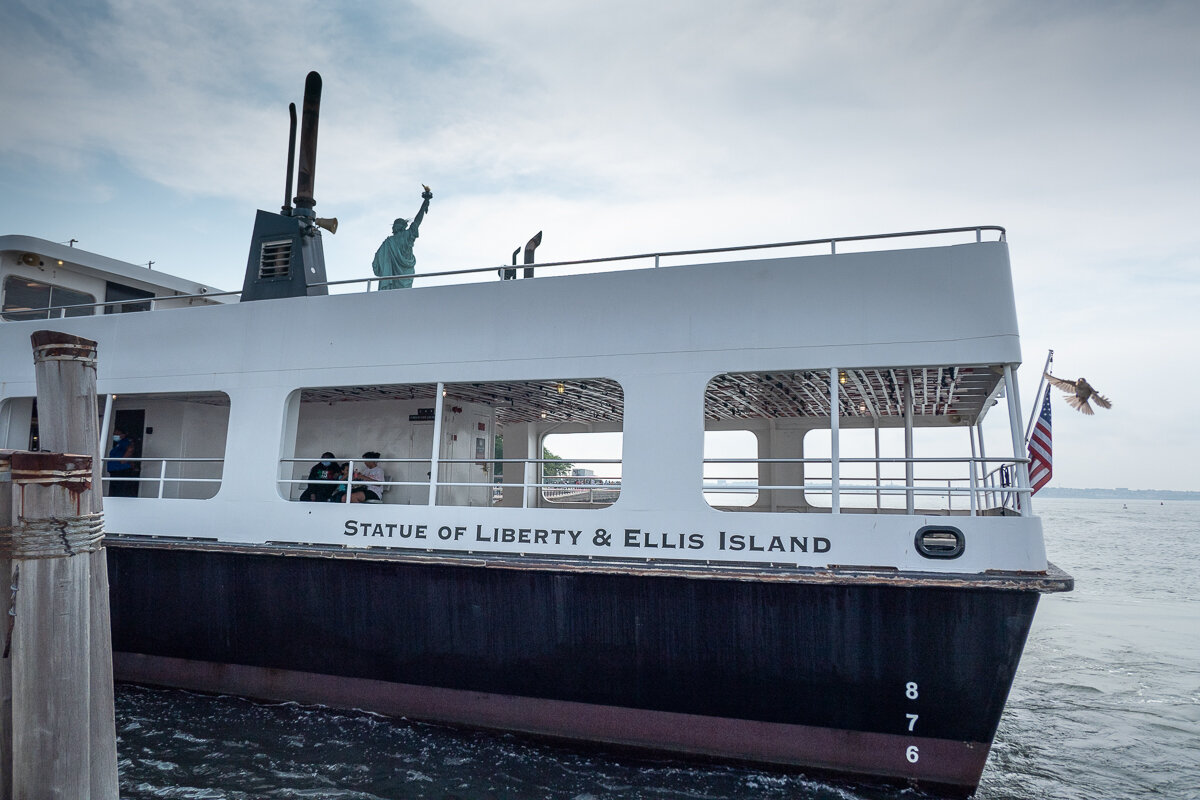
(119, 468)
(325, 470)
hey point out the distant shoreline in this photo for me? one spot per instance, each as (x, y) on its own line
(1119, 494)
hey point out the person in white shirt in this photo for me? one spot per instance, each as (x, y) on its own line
(370, 472)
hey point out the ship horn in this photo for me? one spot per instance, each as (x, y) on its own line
(328, 224)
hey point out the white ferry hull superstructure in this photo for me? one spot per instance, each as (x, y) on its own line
(741, 510)
(846, 620)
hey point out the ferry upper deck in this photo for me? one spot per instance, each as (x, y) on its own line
(814, 404)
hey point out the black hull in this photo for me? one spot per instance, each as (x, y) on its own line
(798, 673)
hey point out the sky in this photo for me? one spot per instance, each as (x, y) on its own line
(152, 131)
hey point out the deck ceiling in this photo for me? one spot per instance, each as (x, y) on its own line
(956, 394)
(204, 398)
(580, 400)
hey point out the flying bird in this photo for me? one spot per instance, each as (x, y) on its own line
(1079, 393)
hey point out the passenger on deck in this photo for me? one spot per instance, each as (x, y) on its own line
(326, 470)
(121, 470)
(370, 472)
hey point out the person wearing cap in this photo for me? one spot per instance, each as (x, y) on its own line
(325, 470)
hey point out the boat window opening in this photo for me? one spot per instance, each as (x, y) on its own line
(486, 434)
(121, 297)
(176, 446)
(394, 420)
(734, 483)
(26, 298)
(18, 424)
(581, 469)
(878, 483)
(885, 463)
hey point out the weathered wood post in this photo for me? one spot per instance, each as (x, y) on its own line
(59, 644)
(6, 521)
(53, 535)
(65, 371)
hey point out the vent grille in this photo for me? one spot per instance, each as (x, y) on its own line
(275, 260)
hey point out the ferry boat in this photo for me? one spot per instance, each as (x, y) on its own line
(729, 504)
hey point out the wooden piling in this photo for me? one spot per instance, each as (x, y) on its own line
(53, 536)
(65, 371)
(59, 737)
(6, 520)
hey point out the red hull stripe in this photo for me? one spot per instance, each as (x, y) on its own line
(867, 755)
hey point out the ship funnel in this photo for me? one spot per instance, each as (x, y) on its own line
(286, 257)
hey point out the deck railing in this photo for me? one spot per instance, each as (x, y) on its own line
(585, 490)
(656, 257)
(970, 488)
(964, 489)
(165, 466)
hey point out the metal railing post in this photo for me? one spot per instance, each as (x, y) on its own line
(108, 404)
(835, 467)
(438, 403)
(1018, 440)
(878, 475)
(988, 480)
(971, 473)
(909, 503)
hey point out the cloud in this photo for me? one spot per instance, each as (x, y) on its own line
(625, 127)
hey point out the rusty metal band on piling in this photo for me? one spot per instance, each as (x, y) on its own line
(57, 346)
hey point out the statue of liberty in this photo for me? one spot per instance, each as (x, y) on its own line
(395, 256)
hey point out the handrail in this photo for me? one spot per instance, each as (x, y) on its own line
(980, 493)
(831, 241)
(551, 486)
(162, 479)
(867, 460)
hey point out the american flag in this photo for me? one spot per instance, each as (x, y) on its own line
(1040, 462)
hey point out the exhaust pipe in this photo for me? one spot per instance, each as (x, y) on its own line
(530, 246)
(287, 189)
(308, 145)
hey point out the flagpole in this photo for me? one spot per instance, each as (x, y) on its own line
(1037, 398)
